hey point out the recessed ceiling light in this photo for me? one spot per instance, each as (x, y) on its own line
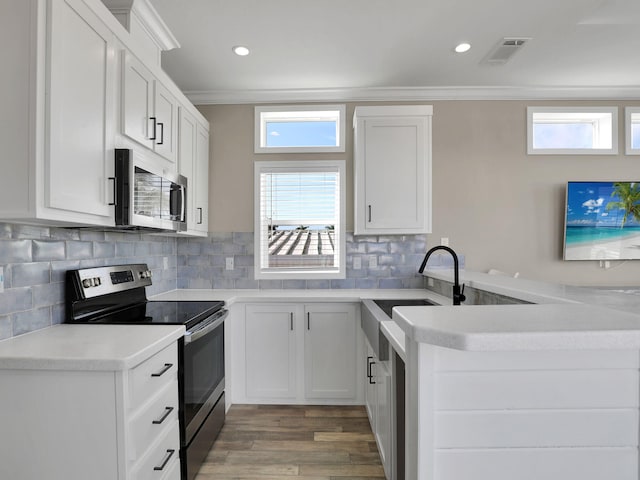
(462, 47)
(240, 50)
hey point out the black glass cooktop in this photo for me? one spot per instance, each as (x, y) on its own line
(169, 313)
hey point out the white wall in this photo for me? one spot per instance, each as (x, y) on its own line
(499, 207)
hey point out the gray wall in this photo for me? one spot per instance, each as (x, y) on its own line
(500, 207)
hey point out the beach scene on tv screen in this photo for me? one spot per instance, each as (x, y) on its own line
(602, 221)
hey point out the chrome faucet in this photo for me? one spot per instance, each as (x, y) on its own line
(458, 293)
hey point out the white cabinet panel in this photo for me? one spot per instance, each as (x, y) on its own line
(301, 353)
(392, 170)
(193, 161)
(270, 349)
(541, 428)
(536, 389)
(537, 464)
(150, 111)
(137, 101)
(330, 353)
(81, 75)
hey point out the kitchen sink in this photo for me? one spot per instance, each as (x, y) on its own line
(387, 305)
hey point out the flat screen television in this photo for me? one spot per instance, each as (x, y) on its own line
(602, 221)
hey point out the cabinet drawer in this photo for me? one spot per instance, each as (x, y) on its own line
(150, 422)
(159, 461)
(152, 375)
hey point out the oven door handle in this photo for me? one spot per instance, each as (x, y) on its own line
(193, 336)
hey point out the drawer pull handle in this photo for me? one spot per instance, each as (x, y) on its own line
(170, 453)
(166, 367)
(167, 412)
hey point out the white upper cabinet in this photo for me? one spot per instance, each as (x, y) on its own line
(194, 164)
(392, 169)
(58, 109)
(150, 111)
(68, 102)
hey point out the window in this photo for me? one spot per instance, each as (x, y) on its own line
(572, 130)
(300, 219)
(632, 124)
(299, 129)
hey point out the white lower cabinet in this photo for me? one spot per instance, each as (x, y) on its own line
(270, 346)
(378, 400)
(299, 353)
(102, 425)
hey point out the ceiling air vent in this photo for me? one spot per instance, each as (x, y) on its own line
(504, 50)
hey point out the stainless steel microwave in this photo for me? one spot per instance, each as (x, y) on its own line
(146, 197)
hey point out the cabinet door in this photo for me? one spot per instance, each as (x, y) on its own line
(383, 414)
(394, 151)
(330, 351)
(270, 351)
(186, 161)
(80, 105)
(137, 101)
(370, 390)
(166, 114)
(202, 180)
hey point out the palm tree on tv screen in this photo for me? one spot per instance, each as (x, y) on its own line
(629, 195)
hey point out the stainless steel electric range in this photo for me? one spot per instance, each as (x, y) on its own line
(117, 295)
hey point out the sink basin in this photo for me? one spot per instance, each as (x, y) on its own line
(387, 305)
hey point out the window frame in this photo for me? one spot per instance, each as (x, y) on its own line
(531, 150)
(628, 120)
(309, 274)
(260, 122)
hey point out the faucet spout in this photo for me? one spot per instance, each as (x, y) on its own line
(458, 293)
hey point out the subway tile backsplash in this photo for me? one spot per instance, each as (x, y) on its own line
(35, 260)
(201, 263)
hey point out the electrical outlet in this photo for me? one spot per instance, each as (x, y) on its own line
(357, 263)
(1, 279)
(229, 263)
(444, 241)
(165, 263)
(373, 262)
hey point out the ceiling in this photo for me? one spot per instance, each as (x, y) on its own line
(401, 49)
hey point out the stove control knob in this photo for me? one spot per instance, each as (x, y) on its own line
(86, 283)
(97, 282)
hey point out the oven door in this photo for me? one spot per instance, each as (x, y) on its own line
(203, 371)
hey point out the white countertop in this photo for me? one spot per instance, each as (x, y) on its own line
(521, 327)
(86, 347)
(318, 295)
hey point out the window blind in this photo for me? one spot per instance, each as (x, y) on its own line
(300, 219)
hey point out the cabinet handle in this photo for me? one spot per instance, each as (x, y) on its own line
(164, 370)
(291, 321)
(308, 320)
(166, 459)
(370, 363)
(153, 119)
(200, 212)
(167, 412)
(161, 125)
(369, 213)
(114, 190)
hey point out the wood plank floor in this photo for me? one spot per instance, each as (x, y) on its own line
(268, 442)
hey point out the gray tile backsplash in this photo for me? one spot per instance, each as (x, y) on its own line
(201, 263)
(35, 260)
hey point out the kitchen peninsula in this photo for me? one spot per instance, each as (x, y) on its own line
(547, 390)
(528, 391)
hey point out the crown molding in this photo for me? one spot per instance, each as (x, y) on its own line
(148, 18)
(213, 97)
